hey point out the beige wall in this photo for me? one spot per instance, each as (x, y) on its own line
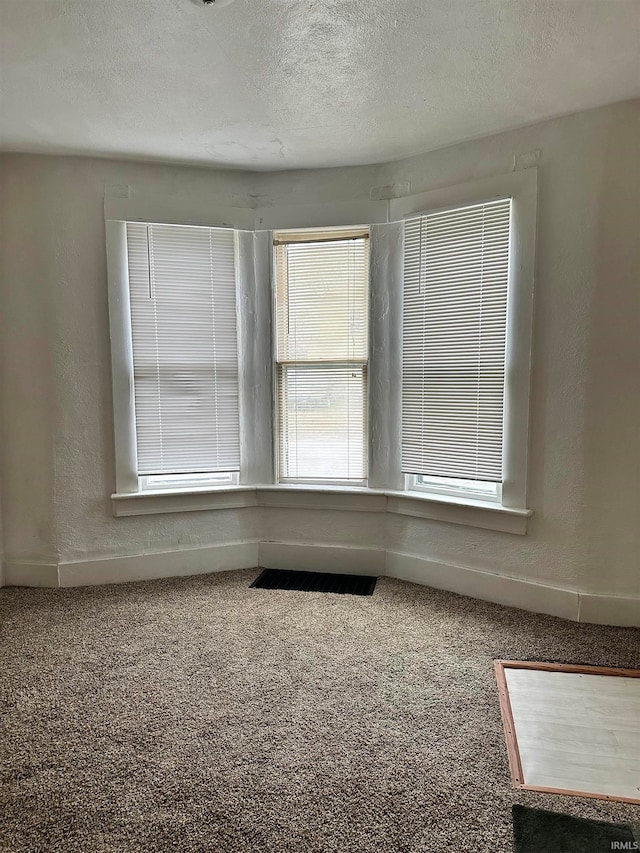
(1, 550)
(57, 461)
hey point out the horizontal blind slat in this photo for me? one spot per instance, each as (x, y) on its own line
(456, 267)
(183, 320)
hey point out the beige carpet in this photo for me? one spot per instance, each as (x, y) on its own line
(194, 715)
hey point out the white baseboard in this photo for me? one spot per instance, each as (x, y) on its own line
(512, 592)
(28, 573)
(134, 567)
(138, 567)
(322, 558)
(486, 586)
(609, 610)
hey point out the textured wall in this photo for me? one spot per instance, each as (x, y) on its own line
(29, 237)
(56, 373)
(584, 482)
(1, 549)
(57, 466)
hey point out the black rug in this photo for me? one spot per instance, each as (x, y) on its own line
(315, 582)
(538, 831)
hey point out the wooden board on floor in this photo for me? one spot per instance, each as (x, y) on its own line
(572, 729)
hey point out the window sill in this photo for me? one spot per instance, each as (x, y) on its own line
(152, 502)
(459, 510)
(454, 510)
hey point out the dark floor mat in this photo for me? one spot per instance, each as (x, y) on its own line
(539, 831)
(315, 582)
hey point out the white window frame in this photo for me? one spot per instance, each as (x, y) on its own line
(291, 481)
(521, 187)
(474, 490)
(178, 482)
(128, 480)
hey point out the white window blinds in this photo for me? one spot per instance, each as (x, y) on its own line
(185, 360)
(456, 270)
(322, 338)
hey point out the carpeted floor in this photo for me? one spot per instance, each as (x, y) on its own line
(196, 715)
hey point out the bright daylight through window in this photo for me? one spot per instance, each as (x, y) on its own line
(456, 273)
(322, 305)
(182, 293)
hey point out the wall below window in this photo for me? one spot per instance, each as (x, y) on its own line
(57, 459)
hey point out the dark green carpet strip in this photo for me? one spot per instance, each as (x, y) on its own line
(540, 831)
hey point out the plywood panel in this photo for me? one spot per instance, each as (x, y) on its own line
(572, 729)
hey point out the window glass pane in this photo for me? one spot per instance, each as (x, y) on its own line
(322, 310)
(477, 488)
(323, 429)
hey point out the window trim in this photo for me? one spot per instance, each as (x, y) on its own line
(471, 513)
(124, 424)
(522, 187)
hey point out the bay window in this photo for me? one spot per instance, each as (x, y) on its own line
(391, 359)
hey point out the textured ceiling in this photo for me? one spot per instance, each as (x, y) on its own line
(277, 84)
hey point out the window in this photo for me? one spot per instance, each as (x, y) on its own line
(322, 341)
(456, 275)
(182, 303)
(394, 356)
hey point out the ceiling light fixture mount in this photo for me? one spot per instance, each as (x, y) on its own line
(216, 2)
